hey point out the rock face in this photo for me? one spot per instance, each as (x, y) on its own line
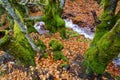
(116, 61)
(40, 27)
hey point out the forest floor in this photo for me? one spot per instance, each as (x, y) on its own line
(74, 48)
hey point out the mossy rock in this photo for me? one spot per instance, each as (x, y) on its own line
(56, 45)
(58, 55)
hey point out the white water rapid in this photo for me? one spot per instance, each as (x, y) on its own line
(85, 31)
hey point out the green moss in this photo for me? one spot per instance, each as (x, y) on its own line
(118, 77)
(101, 54)
(23, 54)
(40, 44)
(45, 55)
(56, 45)
(20, 47)
(55, 24)
(72, 33)
(30, 26)
(52, 18)
(107, 21)
(23, 51)
(58, 55)
(31, 29)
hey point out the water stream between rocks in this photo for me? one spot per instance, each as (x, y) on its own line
(86, 31)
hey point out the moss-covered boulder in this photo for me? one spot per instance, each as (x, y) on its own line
(56, 45)
(58, 55)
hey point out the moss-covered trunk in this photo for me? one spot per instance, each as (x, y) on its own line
(20, 49)
(106, 43)
(107, 48)
(52, 17)
(20, 45)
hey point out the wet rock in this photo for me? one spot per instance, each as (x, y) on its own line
(116, 61)
(40, 27)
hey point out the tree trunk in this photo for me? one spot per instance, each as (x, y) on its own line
(52, 17)
(20, 49)
(106, 43)
(21, 46)
(107, 48)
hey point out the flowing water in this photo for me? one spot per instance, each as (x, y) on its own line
(86, 31)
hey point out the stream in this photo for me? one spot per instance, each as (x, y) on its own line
(86, 31)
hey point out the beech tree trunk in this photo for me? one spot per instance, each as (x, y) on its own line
(106, 43)
(21, 46)
(52, 16)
